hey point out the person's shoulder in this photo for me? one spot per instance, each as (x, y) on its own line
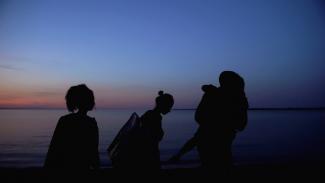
(90, 120)
(209, 88)
(76, 117)
(67, 117)
(65, 120)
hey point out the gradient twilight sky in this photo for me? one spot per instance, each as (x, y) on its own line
(127, 50)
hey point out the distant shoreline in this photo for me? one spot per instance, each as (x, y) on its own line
(288, 109)
(177, 109)
(275, 109)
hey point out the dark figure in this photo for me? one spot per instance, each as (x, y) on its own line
(74, 143)
(153, 132)
(221, 113)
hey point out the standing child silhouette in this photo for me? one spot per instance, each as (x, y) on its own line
(74, 144)
(153, 132)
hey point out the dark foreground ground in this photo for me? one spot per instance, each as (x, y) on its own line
(256, 173)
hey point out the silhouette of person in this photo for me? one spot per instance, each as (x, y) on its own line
(74, 144)
(221, 113)
(153, 132)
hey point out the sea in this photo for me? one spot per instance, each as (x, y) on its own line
(271, 136)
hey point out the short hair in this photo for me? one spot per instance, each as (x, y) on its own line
(80, 97)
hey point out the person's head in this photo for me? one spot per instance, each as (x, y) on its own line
(80, 98)
(231, 80)
(164, 102)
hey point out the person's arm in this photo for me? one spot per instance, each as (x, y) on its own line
(242, 116)
(55, 147)
(160, 132)
(188, 146)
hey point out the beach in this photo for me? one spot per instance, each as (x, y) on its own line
(258, 173)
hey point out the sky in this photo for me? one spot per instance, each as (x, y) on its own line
(127, 50)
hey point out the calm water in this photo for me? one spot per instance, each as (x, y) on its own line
(270, 137)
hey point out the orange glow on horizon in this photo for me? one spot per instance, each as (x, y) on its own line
(31, 100)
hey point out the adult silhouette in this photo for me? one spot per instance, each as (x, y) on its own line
(74, 144)
(221, 113)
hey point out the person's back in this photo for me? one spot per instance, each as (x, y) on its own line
(233, 113)
(74, 144)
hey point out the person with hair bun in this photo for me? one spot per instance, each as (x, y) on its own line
(74, 144)
(153, 132)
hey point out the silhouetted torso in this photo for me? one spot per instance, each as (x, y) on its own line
(220, 114)
(153, 134)
(74, 143)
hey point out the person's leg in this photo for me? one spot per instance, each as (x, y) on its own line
(225, 160)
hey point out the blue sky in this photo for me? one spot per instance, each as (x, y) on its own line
(127, 50)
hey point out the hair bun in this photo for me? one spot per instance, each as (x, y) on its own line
(160, 93)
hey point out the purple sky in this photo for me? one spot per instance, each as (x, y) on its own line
(128, 50)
